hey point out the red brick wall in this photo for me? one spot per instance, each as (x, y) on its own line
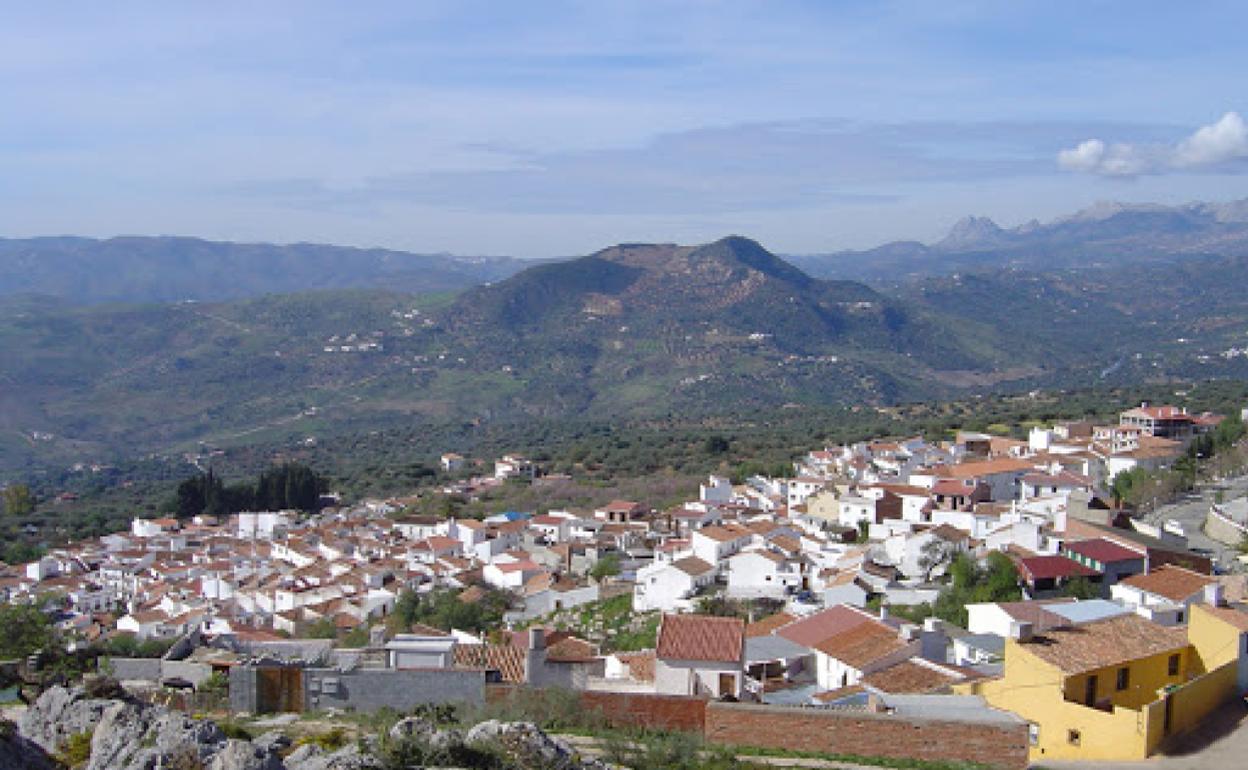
(662, 712)
(865, 734)
(666, 712)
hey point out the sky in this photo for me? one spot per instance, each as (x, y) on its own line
(542, 129)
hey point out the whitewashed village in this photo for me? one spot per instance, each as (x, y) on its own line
(1121, 638)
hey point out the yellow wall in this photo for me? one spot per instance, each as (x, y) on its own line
(1148, 675)
(1195, 700)
(1216, 641)
(824, 505)
(1034, 690)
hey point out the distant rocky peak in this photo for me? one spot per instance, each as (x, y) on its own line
(973, 231)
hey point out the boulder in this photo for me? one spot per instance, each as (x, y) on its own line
(311, 757)
(59, 714)
(245, 755)
(527, 744)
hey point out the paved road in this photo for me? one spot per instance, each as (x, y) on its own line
(1190, 512)
(1221, 744)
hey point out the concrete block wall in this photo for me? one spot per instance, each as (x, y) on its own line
(373, 689)
(866, 734)
(134, 669)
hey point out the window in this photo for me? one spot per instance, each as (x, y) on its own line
(1073, 737)
(1124, 678)
(1172, 668)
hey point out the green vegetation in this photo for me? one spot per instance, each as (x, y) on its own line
(606, 567)
(444, 609)
(27, 629)
(290, 486)
(129, 646)
(18, 500)
(76, 750)
(995, 581)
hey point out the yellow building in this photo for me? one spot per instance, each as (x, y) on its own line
(1116, 689)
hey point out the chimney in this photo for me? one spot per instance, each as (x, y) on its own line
(1020, 631)
(537, 639)
(1213, 595)
(883, 612)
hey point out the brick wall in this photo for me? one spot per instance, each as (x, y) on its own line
(866, 734)
(623, 709)
(667, 712)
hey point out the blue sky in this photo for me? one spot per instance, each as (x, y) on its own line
(556, 128)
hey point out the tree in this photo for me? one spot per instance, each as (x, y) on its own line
(716, 445)
(27, 629)
(18, 500)
(607, 566)
(1080, 588)
(934, 553)
(322, 629)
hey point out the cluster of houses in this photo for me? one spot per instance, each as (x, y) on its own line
(859, 534)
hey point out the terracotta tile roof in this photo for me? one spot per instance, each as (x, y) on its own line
(571, 650)
(1171, 582)
(1105, 643)
(1229, 615)
(692, 565)
(1104, 551)
(1034, 612)
(988, 467)
(862, 645)
(701, 637)
(910, 676)
(815, 628)
(640, 664)
(507, 660)
(766, 626)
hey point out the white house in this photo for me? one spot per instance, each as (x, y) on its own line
(715, 543)
(762, 573)
(1165, 594)
(669, 586)
(264, 525)
(717, 489)
(700, 655)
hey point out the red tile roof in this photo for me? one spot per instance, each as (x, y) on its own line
(768, 625)
(813, 629)
(1052, 567)
(1104, 551)
(701, 637)
(1171, 582)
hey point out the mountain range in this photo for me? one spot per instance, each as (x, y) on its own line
(1104, 235)
(171, 269)
(632, 331)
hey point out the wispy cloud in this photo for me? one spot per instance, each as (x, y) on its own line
(748, 167)
(1219, 146)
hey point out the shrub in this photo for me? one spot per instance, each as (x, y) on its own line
(235, 730)
(330, 740)
(76, 749)
(104, 688)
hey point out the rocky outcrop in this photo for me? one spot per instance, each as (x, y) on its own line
(126, 734)
(20, 753)
(528, 745)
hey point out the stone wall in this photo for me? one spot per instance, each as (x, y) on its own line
(867, 734)
(1223, 529)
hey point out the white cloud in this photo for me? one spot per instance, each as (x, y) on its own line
(1219, 142)
(1217, 146)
